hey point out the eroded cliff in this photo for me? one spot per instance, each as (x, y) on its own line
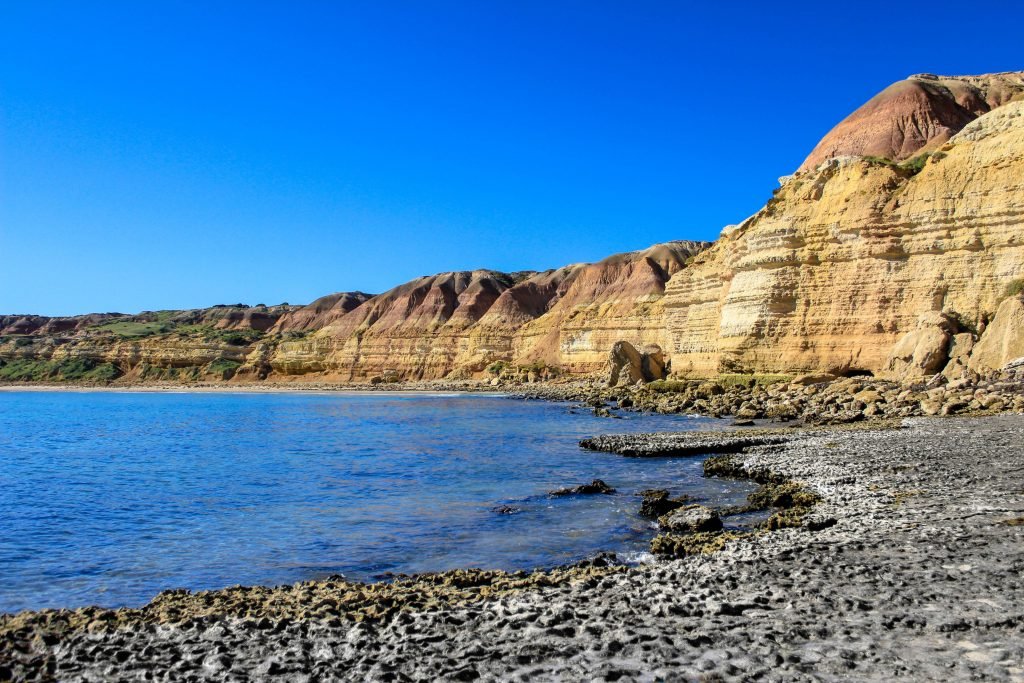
(847, 256)
(888, 252)
(458, 324)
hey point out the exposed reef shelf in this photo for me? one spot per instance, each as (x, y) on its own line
(677, 444)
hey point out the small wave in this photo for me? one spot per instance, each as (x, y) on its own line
(637, 557)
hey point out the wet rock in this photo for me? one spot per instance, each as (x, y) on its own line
(691, 519)
(594, 487)
(656, 502)
(506, 509)
(702, 543)
(787, 494)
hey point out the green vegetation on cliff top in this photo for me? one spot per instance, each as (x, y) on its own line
(63, 370)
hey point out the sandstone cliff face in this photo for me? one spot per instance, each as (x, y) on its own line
(847, 256)
(617, 299)
(208, 343)
(916, 115)
(858, 264)
(456, 324)
(1003, 340)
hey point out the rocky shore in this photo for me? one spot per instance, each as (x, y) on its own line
(818, 399)
(917, 578)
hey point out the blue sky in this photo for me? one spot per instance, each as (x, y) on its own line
(175, 155)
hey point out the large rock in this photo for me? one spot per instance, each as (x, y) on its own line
(691, 519)
(596, 486)
(652, 362)
(625, 365)
(924, 351)
(959, 357)
(1003, 339)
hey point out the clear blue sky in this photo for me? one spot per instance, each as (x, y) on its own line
(171, 155)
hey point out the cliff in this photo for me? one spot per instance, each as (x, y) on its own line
(457, 324)
(208, 343)
(897, 249)
(449, 325)
(847, 256)
(916, 115)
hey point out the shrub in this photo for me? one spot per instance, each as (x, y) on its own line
(135, 330)
(223, 367)
(497, 367)
(916, 165)
(64, 370)
(1015, 288)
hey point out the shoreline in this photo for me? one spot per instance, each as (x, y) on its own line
(791, 603)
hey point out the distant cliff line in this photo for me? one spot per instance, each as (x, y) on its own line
(894, 250)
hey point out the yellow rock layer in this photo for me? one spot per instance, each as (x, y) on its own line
(846, 257)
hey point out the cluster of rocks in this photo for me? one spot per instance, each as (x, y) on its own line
(689, 528)
(677, 444)
(812, 399)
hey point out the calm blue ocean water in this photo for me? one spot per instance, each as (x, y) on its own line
(108, 498)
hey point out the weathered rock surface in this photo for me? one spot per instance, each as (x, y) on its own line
(924, 351)
(458, 324)
(690, 519)
(595, 487)
(625, 366)
(842, 262)
(1003, 340)
(675, 444)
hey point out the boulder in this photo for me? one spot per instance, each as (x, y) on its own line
(652, 362)
(625, 364)
(657, 503)
(923, 352)
(691, 519)
(1003, 339)
(596, 486)
(959, 357)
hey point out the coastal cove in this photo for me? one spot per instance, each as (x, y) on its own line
(109, 497)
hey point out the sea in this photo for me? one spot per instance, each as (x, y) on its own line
(107, 498)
